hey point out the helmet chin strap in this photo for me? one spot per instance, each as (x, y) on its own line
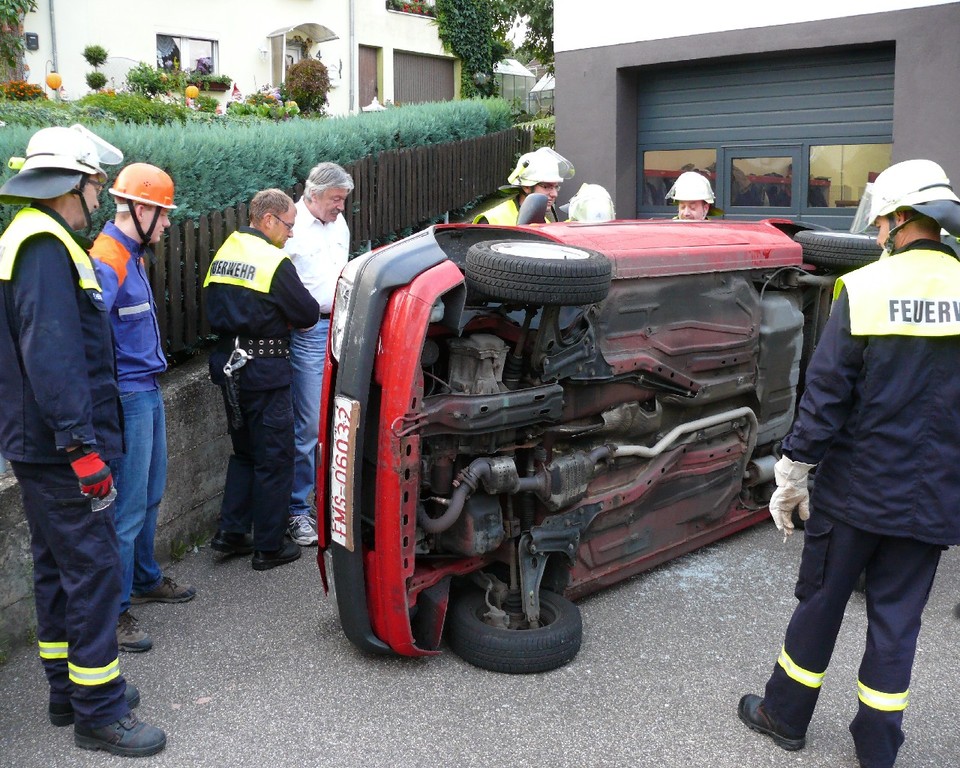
(888, 244)
(145, 237)
(78, 191)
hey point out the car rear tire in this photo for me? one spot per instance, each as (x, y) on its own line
(515, 651)
(537, 273)
(837, 249)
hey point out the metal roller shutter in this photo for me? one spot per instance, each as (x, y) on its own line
(784, 103)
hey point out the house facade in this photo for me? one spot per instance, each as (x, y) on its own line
(371, 48)
(789, 109)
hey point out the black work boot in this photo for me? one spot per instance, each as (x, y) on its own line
(61, 713)
(127, 737)
(231, 543)
(262, 560)
(752, 713)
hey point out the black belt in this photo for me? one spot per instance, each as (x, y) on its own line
(324, 315)
(265, 347)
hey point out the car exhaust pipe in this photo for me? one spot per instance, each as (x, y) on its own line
(500, 475)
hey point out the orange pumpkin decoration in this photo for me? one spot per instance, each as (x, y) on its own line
(192, 91)
(54, 80)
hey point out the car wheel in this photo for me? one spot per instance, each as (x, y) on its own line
(837, 249)
(515, 651)
(537, 273)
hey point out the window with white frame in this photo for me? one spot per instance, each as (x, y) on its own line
(189, 54)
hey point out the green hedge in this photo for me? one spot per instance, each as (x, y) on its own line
(217, 162)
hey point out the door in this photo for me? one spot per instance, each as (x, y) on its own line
(369, 83)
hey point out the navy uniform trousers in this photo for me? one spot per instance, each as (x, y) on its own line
(899, 576)
(76, 575)
(260, 471)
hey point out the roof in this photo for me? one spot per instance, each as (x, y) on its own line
(545, 83)
(512, 67)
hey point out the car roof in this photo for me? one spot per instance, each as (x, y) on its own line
(668, 247)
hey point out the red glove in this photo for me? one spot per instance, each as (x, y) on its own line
(94, 476)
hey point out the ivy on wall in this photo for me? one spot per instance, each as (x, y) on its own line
(11, 36)
(466, 29)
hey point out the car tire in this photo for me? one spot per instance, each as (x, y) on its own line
(537, 273)
(837, 249)
(515, 651)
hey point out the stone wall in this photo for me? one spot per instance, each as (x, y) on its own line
(198, 447)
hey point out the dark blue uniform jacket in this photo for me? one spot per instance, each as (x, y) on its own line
(236, 311)
(880, 416)
(57, 378)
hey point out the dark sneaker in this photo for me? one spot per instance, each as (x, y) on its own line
(302, 529)
(231, 543)
(289, 552)
(127, 736)
(752, 713)
(130, 637)
(61, 713)
(168, 591)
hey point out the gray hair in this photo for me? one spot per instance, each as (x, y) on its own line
(326, 176)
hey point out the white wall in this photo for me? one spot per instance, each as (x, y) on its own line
(240, 29)
(578, 25)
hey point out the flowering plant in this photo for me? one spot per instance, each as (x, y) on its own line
(18, 90)
(418, 7)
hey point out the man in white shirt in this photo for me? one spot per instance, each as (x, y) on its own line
(319, 248)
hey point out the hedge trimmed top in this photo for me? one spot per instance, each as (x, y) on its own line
(218, 164)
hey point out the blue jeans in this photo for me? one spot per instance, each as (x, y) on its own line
(307, 352)
(140, 475)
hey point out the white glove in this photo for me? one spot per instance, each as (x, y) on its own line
(791, 493)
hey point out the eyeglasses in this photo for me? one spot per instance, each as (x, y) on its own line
(549, 186)
(97, 185)
(287, 225)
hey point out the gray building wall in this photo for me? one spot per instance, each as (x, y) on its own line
(198, 446)
(602, 83)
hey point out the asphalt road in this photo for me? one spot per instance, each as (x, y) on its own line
(255, 672)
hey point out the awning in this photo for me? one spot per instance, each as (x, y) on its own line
(316, 32)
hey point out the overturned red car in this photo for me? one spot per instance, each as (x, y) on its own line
(515, 417)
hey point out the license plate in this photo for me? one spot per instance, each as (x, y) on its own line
(346, 419)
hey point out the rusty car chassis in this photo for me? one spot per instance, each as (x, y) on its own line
(516, 417)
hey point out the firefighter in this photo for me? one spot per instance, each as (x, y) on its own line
(59, 426)
(591, 203)
(542, 171)
(693, 196)
(878, 419)
(144, 196)
(254, 297)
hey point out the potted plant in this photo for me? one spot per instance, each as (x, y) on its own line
(211, 82)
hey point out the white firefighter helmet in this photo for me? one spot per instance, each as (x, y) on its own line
(918, 184)
(57, 158)
(541, 166)
(691, 186)
(591, 203)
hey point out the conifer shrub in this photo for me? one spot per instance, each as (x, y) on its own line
(218, 161)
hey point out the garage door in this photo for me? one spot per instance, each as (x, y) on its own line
(417, 78)
(795, 135)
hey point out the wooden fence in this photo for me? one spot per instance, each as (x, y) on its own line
(395, 190)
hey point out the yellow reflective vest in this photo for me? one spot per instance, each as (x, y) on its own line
(505, 214)
(29, 222)
(246, 261)
(912, 293)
